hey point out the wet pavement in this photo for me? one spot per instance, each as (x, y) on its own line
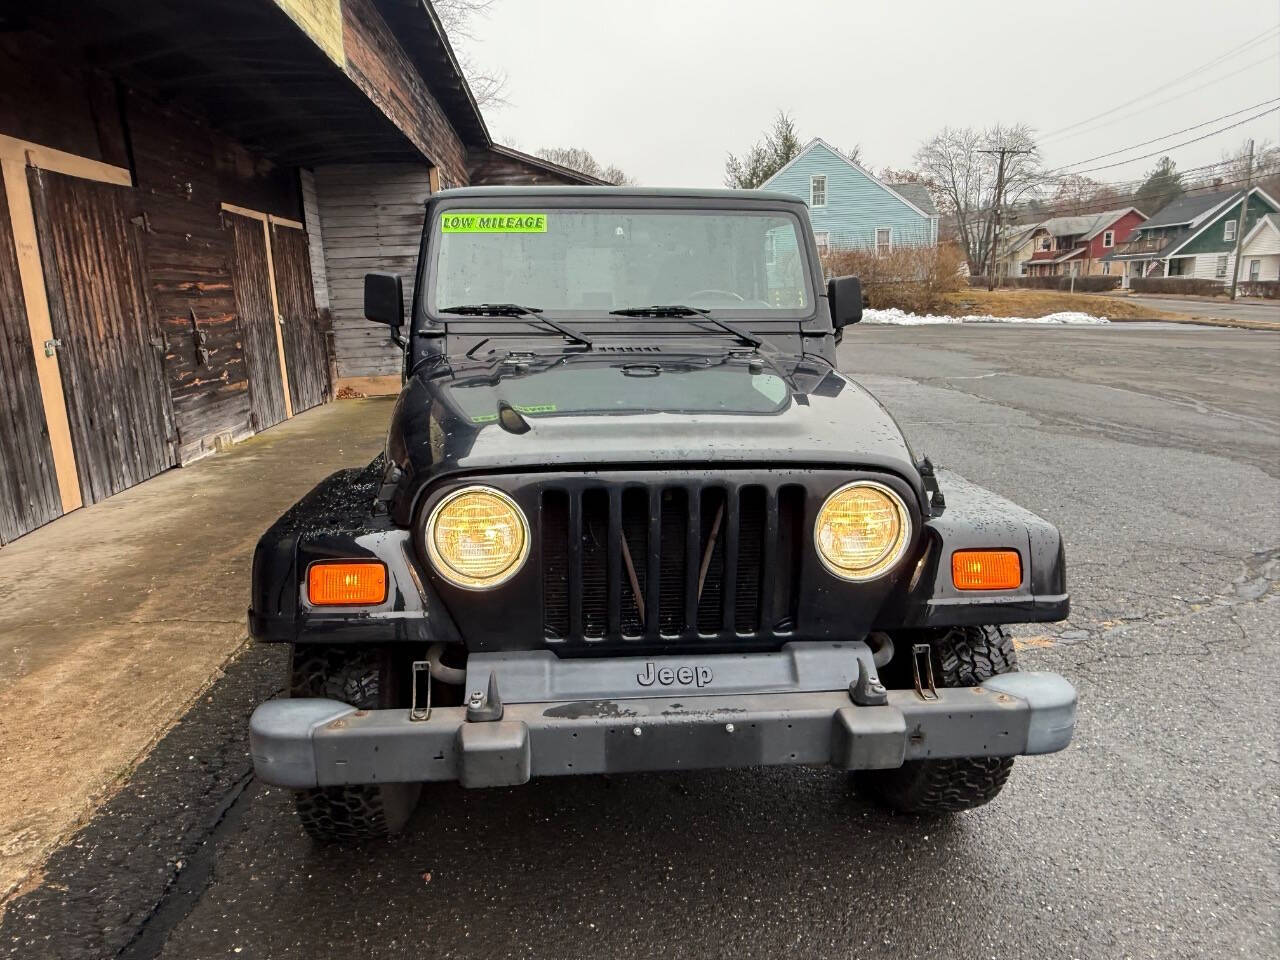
(1157, 451)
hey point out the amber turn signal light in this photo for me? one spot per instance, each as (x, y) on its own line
(986, 569)
(333, 583)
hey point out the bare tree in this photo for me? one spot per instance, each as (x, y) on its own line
(576, 158)
(1262, 171)
(457, 17)
(976, 173)
(854, 154)
(890, 175)
(766, 157)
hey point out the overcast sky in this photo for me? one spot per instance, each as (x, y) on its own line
(664, 89)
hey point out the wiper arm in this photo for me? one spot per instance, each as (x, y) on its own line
(680, 310)
(516, 310)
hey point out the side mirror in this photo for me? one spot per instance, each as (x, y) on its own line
(384, 301)
(844, 298)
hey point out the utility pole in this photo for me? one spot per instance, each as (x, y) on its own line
(1003, 153)
(1244, 212)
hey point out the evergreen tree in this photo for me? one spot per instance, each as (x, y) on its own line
(1162, 186)
(780, 145)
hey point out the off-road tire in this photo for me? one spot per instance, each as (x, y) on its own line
(363, 678)
(962, 657)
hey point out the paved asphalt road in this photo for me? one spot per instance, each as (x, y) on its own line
(1218, 307)
(1157, 450)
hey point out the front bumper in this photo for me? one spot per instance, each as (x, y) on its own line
(315, 742)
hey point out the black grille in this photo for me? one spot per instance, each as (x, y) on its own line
(694, 562)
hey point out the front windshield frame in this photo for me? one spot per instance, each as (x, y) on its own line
(425, 295)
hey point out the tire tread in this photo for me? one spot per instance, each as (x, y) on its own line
(963, 657)
(355, 812)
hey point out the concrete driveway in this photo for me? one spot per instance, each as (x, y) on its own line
(115, 617)
(1254, 310)
(1157, 451)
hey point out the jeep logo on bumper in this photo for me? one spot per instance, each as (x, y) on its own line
(667, 676)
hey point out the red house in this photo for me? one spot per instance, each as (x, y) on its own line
(1075, 246)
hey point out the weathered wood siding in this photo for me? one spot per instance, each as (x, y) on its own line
(381, 69)
(188, 257)
(371, 215)
(315, 238)
(45, 101)
(252, 282)
(185, 172)
(300, 323)
(111, 356)
(28, 486)
(491, 168)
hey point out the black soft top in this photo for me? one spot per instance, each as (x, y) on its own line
(622, 193)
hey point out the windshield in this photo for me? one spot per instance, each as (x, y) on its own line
(594, 261)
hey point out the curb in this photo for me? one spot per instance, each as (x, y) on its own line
(1206, 321)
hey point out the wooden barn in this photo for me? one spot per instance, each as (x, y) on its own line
(190, 195)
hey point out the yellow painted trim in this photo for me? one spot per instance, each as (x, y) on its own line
(245, 212)
(56, 161)
(48, 371)
(275, 310)
(284, 222)
(265, 220)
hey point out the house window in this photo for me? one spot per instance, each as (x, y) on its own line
(1255, 270)
(1045, 243)
(824, 242)
(884, 240)
(1229, 231)
(1221, 270)
(1109, 238)
(1106, 269)
(818, 191)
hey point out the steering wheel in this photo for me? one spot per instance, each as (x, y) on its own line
(722, 293)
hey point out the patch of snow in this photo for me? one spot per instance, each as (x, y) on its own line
(896, 316)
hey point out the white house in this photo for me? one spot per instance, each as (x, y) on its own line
(1260, 250)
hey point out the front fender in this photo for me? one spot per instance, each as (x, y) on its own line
(336, 520)
(976, 518)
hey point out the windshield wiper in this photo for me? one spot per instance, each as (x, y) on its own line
(680, 310)
(516, 310)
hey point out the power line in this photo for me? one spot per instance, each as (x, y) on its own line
(1103, 156)
(1084, 207)
(1266, 35)
(1125, 189)
(1147, 107)
(1175, 146)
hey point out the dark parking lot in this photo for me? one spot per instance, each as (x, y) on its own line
(1156, 449)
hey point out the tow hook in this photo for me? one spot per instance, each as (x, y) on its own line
(485, 706)
(867, 690)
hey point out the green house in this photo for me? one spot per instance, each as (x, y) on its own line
(1194, 236)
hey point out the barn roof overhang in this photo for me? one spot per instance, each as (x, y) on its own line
(247, 68)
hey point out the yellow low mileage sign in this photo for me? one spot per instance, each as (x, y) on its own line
(493, 222)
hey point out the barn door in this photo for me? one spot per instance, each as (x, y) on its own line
(28, 484)
(304, 350)
(251, 276)
(111, 355)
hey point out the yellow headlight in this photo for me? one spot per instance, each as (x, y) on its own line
(862, 530)
(477, 537)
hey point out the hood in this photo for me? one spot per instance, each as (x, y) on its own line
(637, 408)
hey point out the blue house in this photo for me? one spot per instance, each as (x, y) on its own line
(850, 208)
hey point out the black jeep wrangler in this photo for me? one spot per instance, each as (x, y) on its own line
(630, 517)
